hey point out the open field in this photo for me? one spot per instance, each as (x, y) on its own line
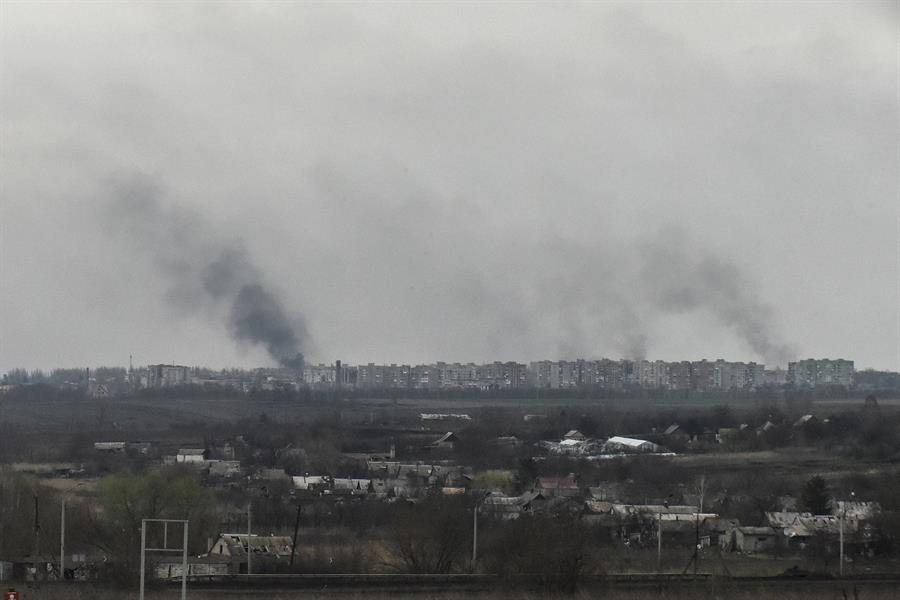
(149, 414)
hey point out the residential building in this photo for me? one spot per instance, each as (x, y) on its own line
(815, 372)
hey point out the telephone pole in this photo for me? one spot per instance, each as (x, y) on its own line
(37, 535)
(249, 547)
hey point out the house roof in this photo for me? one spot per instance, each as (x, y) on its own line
(563, 482)
(805, 419)
(191, 451)
(447, 437)
(654, 509)
(672, 429)
(855, 509)
(573, 433)
(109, 445)
(272, 545)
(303, 482)
(352, 484)
(598, 507)
(628, 442)
(757, 530)
(805, 524)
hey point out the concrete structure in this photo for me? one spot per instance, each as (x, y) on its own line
(159, 376)
(815, 372)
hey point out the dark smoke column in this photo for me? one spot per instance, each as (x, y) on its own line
(206, 270)
(257, 316)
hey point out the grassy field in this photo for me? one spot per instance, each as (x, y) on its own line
(149, 414)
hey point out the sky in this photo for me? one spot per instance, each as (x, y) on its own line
(224, 184)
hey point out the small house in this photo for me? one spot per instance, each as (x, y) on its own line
(191, 455)
(266, 549)
(752, 540)
(557, 486)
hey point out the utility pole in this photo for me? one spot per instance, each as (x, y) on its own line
(62, 532)
(37, 533)
(696, 543)
(474, 536)
(249, 548)
(475, 529)
(843, 516)
(659, 543)
(841, 527)
(62, 539)
(143, 555)
(184, 561)
(296, 531)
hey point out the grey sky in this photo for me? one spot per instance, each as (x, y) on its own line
(416, 182)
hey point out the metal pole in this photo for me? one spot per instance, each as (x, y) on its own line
(249, 548)
(62, 540)
(296, 531)
(841, 525)
(37, 545)
(184, 563)
(659, 543)
(474, 536)
(143, 563)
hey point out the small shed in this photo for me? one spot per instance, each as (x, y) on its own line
(750, 540)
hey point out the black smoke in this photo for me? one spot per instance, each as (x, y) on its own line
(206, 270)
(679, 277)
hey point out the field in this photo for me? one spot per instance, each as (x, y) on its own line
(152, 413)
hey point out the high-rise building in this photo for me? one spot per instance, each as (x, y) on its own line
(815, 372)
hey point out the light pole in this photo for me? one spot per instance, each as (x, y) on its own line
(249, 545)
(659, 543)
(843, 517)
(62, 531)
(475, 529)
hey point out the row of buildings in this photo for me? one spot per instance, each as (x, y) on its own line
(609, 374)
(603, 374)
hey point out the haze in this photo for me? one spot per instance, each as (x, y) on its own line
(420, 182)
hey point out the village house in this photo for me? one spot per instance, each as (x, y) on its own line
(266, 549)
(677, 433)
(566, 485)
(752, 540)
(311, 483)
(415, 480)
(110, 447)
(191, 455)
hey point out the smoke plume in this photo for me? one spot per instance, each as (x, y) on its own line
(206, 270)
(678, 279)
